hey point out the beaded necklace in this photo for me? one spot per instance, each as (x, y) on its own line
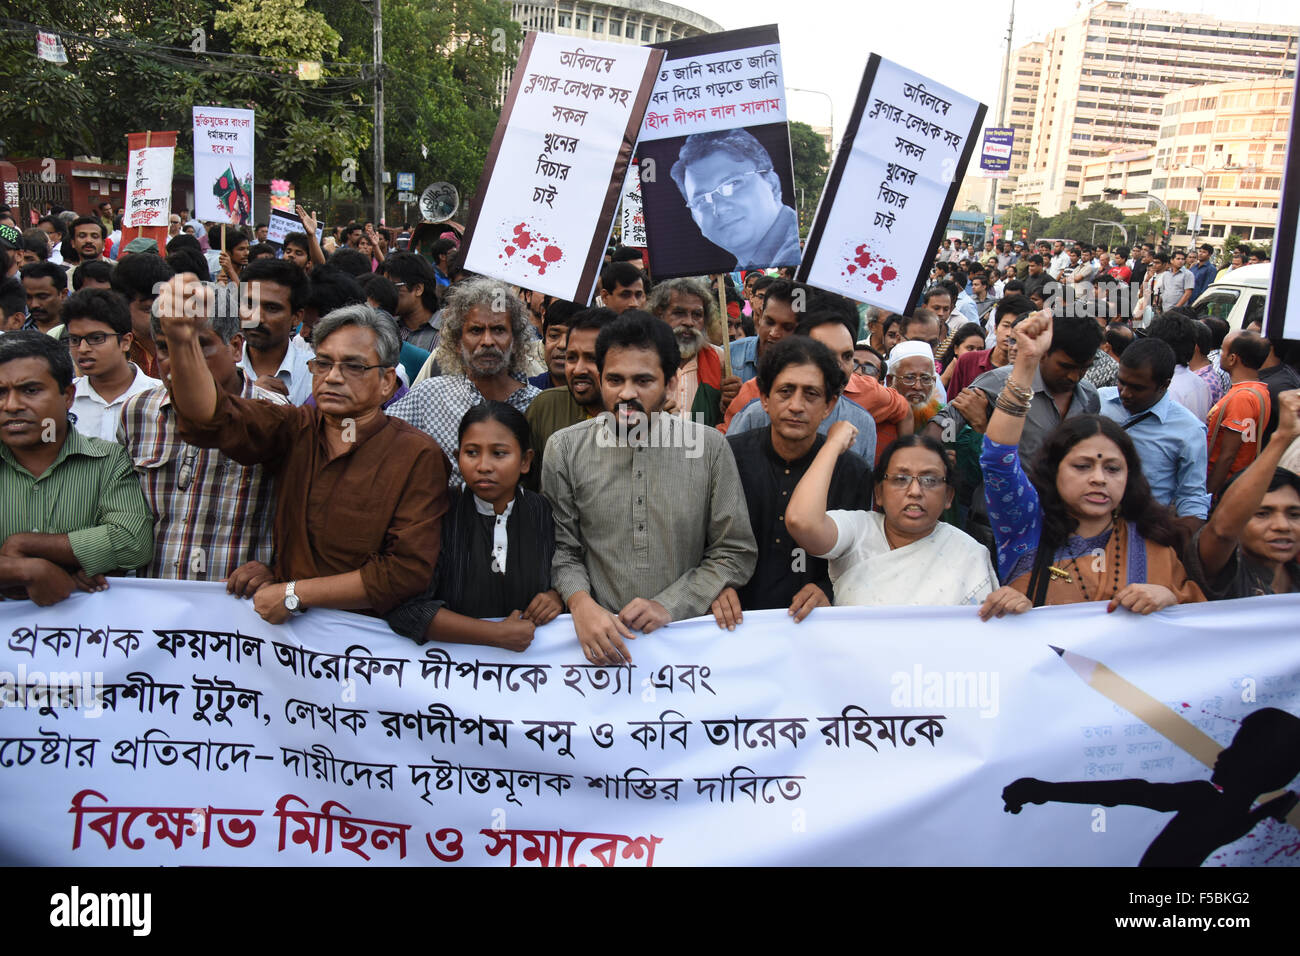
(1115, 565)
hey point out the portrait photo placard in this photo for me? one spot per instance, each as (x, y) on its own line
(717, 179)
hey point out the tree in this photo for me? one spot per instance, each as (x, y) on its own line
(811, 163)
(142, 64)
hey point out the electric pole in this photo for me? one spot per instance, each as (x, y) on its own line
(379, 111)
(1004, 84)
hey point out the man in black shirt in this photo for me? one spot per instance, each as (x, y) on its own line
(798, 381)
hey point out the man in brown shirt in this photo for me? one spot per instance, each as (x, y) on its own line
(359, 496)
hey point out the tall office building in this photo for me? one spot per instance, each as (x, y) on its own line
(1104, 74)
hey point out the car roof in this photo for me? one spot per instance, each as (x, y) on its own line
(1257, 276)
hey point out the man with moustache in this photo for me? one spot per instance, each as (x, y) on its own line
(578, 399)
(482, 354)
(46, 286)
(650, 518)
(273, 295)
(72, 506)
(88, 238)
(700, 392)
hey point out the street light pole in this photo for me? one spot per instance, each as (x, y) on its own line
(379, 111)
(1200, 194)
(830, 105)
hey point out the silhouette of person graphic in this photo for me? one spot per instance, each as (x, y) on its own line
(1264, 756)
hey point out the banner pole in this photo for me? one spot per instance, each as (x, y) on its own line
(726, 336)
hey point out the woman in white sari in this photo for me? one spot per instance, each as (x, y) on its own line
(904, 555)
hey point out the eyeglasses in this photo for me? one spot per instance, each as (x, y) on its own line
(725, 190)
(95, 339)
(865, 368)
(914, 379)
(927, 482)
(320, 368)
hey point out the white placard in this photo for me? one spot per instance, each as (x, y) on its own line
(282, 223)
(203, 736)
(633, 215)
(548, 193)
(149, 185)
(714, 91)
(223, 165)
(49, 47)
(879, 217)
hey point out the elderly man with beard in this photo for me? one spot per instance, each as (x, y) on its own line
(911, 373)
(701, 392)
(482, 355)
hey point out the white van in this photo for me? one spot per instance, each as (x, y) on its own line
(1240, 297)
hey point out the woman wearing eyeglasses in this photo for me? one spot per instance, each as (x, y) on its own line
(902, 553)
(1082, 526)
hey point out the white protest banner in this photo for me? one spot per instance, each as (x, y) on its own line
(714, 151)
(891, 188)
(164, 723)
(149, 185)
(282, 223)
(49, 47)
(546, 200)
(223, 165)
(632, 222)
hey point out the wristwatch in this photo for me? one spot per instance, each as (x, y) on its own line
(291, 600)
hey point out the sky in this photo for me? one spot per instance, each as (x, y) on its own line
(960, 43)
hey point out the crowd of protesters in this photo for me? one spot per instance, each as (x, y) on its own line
(352, 421)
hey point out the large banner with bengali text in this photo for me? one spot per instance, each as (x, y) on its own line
(164, 723)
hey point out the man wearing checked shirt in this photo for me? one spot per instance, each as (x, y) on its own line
(72, 507)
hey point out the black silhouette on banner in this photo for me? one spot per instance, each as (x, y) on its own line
(1264, 756)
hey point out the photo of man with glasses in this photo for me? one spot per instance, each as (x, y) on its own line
(729, 184)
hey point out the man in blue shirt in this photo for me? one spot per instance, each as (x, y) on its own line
(1204, 270)
(1170, 440)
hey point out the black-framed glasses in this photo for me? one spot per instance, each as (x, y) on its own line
(94, 339)
(352, 370)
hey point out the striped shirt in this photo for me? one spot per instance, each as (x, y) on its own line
(436, 406)
(665, 521)
(90, 494)
(210, 513)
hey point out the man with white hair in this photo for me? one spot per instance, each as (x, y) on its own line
(911, 373)
(701, 391)
(482, 355)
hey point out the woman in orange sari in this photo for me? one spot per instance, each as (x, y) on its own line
(1082, 526)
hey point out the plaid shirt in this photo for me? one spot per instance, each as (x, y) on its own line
(436, 406)
(210, 513)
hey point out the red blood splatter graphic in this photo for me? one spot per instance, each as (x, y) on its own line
(524, 236)
(1185, 704)
(862, 258)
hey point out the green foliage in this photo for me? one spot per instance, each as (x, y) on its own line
(811, 163)
(136, 69)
